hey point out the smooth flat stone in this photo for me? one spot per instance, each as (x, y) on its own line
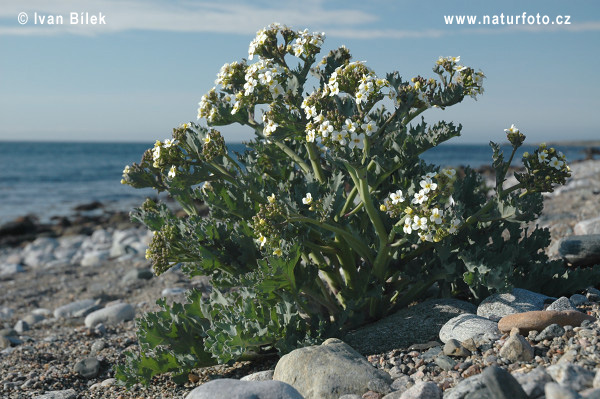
(539, 320)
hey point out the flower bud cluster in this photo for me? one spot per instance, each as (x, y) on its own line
(267, 224)
(214, 145)
(158, 251)
(428, 212)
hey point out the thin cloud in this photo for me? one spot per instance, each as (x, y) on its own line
(236, 18)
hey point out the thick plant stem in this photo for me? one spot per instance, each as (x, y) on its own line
(315, 162)
(360, 180)
(289, 152)
(355, 242)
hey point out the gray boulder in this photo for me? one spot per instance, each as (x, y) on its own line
(583, 250)
(469, 326)
(110, 315)
(236, 389)
(497, 306)
(414, 325)
(328, 371)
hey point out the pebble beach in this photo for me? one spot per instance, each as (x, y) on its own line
(70, 291)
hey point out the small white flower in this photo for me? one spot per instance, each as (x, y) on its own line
(420, 197)
(450, 173)
(271, 198)
(168, 143)
(355, 141)
(397, 197)
(428, 185)
(307, 200)
(426, 236)
(270, 128)
(319, 118)
(340, 137)
(543, 156)
(512, 129)
(276, 90)
(454, 226)
(277, 252)
(436, 216)
(172, 172)
(311, 112)
(369, 128)
(360, 97)
(556, 163)
(262, 240)
(407, 225)
(310, 136)
(326, 128)
(334, 89)
(350, 126)
(419, 223)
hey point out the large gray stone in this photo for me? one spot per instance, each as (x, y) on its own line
(469, 326)
(236, 389)
(110, 315)
(497, 306)
(571, 376)
(583, 250)
(414, 325)
(327, 371)
(77, 307)
(501, 385)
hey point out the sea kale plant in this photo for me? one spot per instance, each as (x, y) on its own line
(330, 219)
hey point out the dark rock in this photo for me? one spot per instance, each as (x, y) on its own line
(583, 250)
(90, 206)
(88, 367)
(502, 385)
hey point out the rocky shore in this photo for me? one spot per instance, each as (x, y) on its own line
(70, 291)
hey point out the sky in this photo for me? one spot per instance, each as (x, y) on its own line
(142, 72)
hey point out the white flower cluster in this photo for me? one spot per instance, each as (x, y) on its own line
(429, 221)
(158, 152)
(558, 162)
(260, 39)
(473, 81)
(369, 86)
(348, 134)
(308, 43)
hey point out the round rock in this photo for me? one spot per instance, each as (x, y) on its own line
(328, 371)
(110, 315)
(519, 300)
(88, 367)
(468, 326)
